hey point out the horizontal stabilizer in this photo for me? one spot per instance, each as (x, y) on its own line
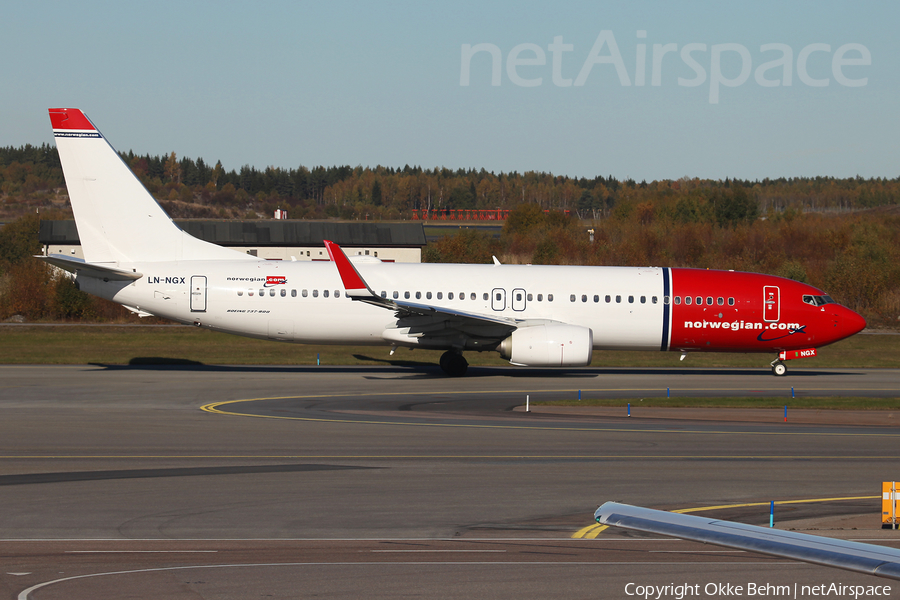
(79, 267)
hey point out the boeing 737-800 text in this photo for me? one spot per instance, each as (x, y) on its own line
(537, 316)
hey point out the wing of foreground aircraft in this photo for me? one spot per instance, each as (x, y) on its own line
(842, 554)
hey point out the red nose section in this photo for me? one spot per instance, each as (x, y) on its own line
(853, 323)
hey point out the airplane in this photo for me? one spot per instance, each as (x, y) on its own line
(859, 557)
(534, 316)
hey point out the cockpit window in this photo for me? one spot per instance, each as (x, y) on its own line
(817, 300)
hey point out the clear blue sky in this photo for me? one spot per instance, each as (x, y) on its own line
(285, 83)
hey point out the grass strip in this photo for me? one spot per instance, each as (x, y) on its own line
(800, 403)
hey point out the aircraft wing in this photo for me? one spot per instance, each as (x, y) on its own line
(74, 265)
(842, 554)
(422, 319)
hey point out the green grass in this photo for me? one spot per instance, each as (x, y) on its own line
(123, 345)
(175, 344)
(809, 402)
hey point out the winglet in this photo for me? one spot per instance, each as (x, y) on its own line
(354, 285)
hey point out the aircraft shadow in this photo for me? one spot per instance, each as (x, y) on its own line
(408, 369)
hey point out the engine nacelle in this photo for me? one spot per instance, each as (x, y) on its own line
(549, 346)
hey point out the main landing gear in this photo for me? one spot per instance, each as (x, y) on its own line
(453, 363)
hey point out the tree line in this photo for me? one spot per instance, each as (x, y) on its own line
(31, 178)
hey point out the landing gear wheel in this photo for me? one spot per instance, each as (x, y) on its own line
(453, 363)
(778, 369)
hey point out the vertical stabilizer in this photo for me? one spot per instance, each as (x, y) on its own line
(117, 218)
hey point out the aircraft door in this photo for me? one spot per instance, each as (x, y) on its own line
(518, 299)
(198, 293)
(771, 303)
(498, 299)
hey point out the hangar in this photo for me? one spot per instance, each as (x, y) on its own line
(276, 239)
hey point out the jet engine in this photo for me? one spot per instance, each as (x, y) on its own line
(549, 346)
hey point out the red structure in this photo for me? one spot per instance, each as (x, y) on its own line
(463, 214)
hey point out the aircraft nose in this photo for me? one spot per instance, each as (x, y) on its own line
(852, 322)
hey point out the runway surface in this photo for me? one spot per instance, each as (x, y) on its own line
(385, 482)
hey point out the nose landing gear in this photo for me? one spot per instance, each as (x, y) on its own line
(778, 368)
(453, 363)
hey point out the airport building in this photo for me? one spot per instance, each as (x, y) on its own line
(277, 239)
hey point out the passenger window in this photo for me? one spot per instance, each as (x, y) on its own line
(337, 293)
(383, 294)
(396, 295)
(249, 292)
(607, 299)
(654, 300)
(440, 295)
(283, 292)
(687, 300)
(499, 296)
(262, 293)
(699, 300)
(315, 293)
(549, 297)
(462, 295)
(528, 297)
(584, 297)
(304, 293)
(709, 301)
(272, 292)
(473, 296)
(540, 297)
(720, 301)
(677, 299)
(240, 292)
(428, 295)
(293, 293)
(571, 297)
(596, 298)
(324, 293)
(418, 295)
(630, 299)
(485, 296)
(731, 302)
(449, 295)
(618, 299)
(643, 299)
(406, 295)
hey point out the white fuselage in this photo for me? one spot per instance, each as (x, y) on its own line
(305, 302)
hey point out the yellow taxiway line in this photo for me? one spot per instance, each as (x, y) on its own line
(214, 407)
(592, 531)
